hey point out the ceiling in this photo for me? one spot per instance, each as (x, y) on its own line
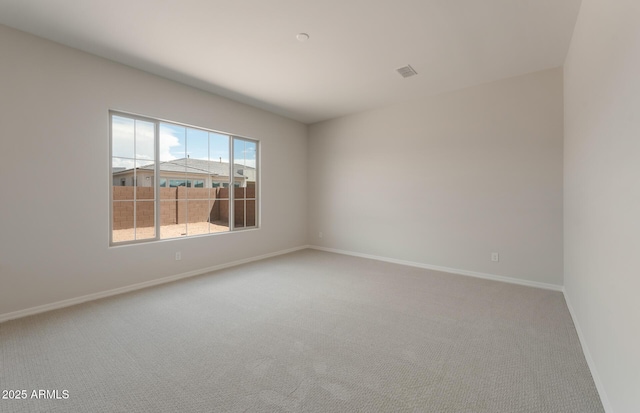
(247, 50)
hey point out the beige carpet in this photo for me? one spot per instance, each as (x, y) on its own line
(305, 332)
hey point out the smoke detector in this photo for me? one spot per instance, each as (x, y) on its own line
(406, 71)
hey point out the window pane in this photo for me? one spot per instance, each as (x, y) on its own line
(168, 207)
(173, 216)
(145, 219)
(145, 182)
(118, 165)
(198, 146)
(145, 140)
(250, 211)
(250, 191)
(145, 168)
(222, 193)
(170, 225)
(219, 159)
(220, 214)
(122, 171)
(221, 209)
(251, 163)
(198, 217)
(172, 142)
(218, 147)
(181, 215)
(145, 193)
(122, 221)
(244, 152)
(122, 137)
(173, 231)
(123, 193)
(197, 170)
(238, 151)
(238, 213)
(244, 162)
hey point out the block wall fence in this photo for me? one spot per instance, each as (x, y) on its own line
(181, 205)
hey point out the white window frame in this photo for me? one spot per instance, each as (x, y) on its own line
(157, 179)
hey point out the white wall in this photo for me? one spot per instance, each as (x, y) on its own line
(447, 180)
(54, 123)
(602, 194)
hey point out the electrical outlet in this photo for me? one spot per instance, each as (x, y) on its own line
(178, 256)
(495, 257)
(320, 234)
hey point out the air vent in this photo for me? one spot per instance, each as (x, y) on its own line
(407, 71)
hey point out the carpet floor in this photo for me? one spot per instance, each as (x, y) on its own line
(309, 331)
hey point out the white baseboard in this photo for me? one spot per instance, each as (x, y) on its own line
(445, 269)
(95, 296)
(587, 354)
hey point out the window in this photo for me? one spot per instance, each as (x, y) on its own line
(173, 183)
(244, 159)
(206, 180)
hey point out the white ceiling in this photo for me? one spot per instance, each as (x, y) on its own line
(247, 49)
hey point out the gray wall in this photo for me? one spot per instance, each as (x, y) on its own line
(54, 165)
(447, 180)
(602, 194)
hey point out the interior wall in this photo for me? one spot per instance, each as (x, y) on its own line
(54, 166)
(446, 181)
(602, 194)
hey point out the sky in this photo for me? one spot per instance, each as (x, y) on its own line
(131, 137)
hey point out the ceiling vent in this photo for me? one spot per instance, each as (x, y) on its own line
(406, 71)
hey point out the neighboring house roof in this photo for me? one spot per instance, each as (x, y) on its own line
(196, 166)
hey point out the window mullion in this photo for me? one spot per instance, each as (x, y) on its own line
(156, 171)
(186, 183)
(135, 181)
(232, 220)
